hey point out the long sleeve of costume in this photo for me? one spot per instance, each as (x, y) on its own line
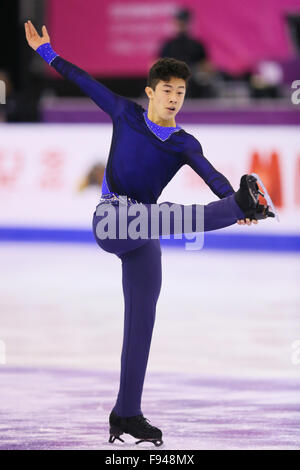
(142, 160)
(108, 101)
(217, 182)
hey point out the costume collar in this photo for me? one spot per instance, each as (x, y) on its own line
(163, 133)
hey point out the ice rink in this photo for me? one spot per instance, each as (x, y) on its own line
(167, 112)
(224, 365)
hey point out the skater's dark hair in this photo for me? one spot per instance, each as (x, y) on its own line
(166, 68)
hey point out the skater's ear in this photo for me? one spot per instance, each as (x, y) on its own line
(149, 92)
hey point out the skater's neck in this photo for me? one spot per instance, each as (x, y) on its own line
(154, 117)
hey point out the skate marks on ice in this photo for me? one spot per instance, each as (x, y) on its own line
(68, 409)
(226, 332)
(230, 313)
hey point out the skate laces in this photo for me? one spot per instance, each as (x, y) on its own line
(142, 420)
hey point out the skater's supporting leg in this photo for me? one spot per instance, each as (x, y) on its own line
(141, 277)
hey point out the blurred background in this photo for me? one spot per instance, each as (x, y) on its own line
(229, 311)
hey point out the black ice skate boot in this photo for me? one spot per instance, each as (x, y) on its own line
(247, 197)
(136, 426)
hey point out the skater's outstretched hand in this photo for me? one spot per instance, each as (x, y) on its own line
(33, 38)
(247, 221)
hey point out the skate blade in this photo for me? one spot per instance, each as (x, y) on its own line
(114, 434)
(266, 195)
(156, 442)
(113, 438)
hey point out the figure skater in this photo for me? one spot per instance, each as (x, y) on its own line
(147, 150)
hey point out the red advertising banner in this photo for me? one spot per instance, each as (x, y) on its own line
(123, 37)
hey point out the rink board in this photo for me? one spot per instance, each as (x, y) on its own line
(42, 166)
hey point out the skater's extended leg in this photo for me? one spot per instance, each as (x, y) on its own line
(203, 218)
(225, 212)
(154, 220)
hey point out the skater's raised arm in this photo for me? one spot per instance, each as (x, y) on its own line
(217, 182)
(109, 102)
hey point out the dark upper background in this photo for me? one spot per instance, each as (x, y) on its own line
(28, 79)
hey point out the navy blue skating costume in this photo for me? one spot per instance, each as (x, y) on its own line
(143, 158)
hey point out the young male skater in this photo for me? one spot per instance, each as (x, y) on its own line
(147, 149)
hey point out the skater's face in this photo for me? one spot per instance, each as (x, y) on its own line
(167, 98)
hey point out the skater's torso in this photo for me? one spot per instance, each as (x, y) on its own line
(141, 162)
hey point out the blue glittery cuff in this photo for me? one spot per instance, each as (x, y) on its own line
(46, 52)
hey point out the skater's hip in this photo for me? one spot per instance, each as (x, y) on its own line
(116, 199)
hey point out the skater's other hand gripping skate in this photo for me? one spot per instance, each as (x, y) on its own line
(247, 221)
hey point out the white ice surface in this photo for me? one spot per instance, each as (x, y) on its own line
(232, 313)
